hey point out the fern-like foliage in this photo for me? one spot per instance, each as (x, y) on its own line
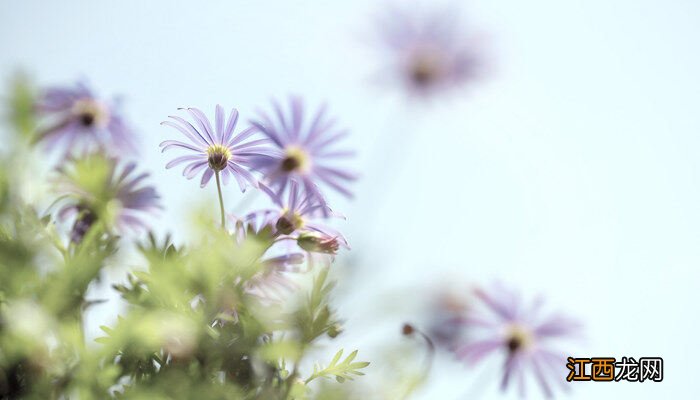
(341, 370)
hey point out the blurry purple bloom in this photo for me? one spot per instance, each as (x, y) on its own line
(430, 53)
(79, 121)
(504, 324)
(272, 284)
(117, 197)
(303, 151)
(216, 150)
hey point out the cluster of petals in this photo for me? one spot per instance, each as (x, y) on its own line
(501, 324)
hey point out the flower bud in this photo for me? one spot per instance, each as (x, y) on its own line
(318, 244)
(335, 330)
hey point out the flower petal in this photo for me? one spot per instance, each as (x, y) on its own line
(203, 122)
(230, 126)
(182, 159)
(206, 177)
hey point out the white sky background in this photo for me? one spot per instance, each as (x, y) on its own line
(570, 171)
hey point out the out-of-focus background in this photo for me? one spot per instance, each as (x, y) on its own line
(570, 169)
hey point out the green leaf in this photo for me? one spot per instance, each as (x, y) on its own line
(274, 351)
(341, 371)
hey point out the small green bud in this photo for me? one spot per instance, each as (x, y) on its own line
(335, 330)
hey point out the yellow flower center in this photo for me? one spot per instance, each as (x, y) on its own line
(295, 160)
(218, 156)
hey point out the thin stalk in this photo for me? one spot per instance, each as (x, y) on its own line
(221, 200)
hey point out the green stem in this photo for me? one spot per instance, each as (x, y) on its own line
(290, 381)
(221, 200)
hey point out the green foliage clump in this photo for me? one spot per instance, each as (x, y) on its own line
(193, 326)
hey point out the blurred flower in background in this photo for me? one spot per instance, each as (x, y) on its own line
(501, 323)
(304, 151)
(446, 317)
(96, 187)
(74, 119)
(272, 284)
(429, 53)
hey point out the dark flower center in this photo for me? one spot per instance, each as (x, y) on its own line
(89, 113)
(424, 68)
(518, 338)
(86, 218)
(422, 74)
(290, 163)
(295, 159)
(86, 119)
(288, 223)
(218, 157)
(514, 343)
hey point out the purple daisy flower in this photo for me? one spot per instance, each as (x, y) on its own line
(217, 151)
(503, 324)
(294, 218)
(429, 53)
(118, 197)
(77, 120)
(304, 152)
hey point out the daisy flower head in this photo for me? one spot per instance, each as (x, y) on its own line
(77, 120)
(429, 53)
(296, 217)
(503, 325)
(304, 151)
(96, 188)
(215, 150)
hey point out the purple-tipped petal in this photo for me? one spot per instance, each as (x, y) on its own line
(203, 122)
(193, 169)
(219, 116)
(168, 144)
(188, 130)
(206, 177)
(180, 160)
(230, 126)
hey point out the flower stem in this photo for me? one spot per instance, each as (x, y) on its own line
(221, 200)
